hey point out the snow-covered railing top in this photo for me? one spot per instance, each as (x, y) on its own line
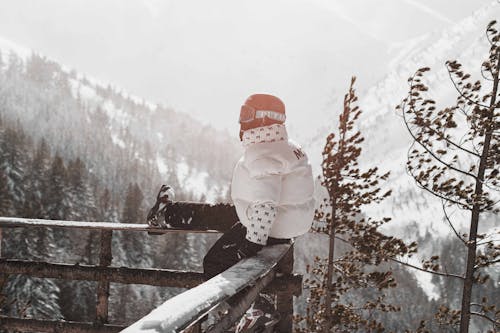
(13, 222)
(184, 310)
(182, 216)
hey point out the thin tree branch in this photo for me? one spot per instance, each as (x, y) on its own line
(487, 263)
(485, 317)
(487, 35)
(316, 278)
(484, 76)
(464, 112)
(467, 138)
(460, 91)
(410, 265)
(476, 149)
(462, 140)
(432, 153)
(451, 224)
(488, 242)
(422, 186)
(458, 146)
(494, 203)
(493, 188)
(425, 270)
(345, 241)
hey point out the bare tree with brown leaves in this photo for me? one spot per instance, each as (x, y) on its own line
(455, 157)
(334, 277)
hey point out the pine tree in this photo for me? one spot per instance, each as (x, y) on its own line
(56, 206)
(56, 201)
(135, 245)
(134, 250)
(13, 162)
(27, 296)
(15, 67)
(330, 307)
(31, 297)
(80, 196)
(5, 210)
(82, 207)
(455, 157)
(6, 200)
(107, 208)
(132, 211)
(39, 70)
(37, 186)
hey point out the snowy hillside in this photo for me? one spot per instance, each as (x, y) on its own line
(387, 141)
(415, 213)
(112, 130)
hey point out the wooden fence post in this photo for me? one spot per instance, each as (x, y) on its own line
(284, 300)
(105, 257)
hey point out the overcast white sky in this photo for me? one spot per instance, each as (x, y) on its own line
(205, 57)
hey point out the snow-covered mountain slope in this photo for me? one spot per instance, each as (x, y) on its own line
(121, 137)
(415, 214)
(387, 141)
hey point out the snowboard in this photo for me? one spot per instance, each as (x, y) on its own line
(156, 215)
(261, 317)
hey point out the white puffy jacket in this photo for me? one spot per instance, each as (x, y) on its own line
(274, 170)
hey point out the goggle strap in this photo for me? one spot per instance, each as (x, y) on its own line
(270, 114)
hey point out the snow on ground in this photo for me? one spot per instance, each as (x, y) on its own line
(85, 92)
(118, 115)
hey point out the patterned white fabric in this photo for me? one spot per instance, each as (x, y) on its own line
(272, 133)
(261, 218)
(274, 170)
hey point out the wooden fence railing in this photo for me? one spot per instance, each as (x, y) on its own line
(251, 275)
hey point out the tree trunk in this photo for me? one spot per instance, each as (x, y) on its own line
(476, 210)
(329, 276)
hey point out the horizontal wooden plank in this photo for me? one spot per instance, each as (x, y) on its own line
(34, 325)
(12, 222)
(179, 312)
(155, 277)
(125, 275)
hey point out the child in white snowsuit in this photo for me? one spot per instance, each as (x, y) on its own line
(272, 187)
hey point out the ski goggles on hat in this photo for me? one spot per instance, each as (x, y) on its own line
(249, 114)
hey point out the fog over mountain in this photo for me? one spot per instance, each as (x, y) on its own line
(205, 58)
